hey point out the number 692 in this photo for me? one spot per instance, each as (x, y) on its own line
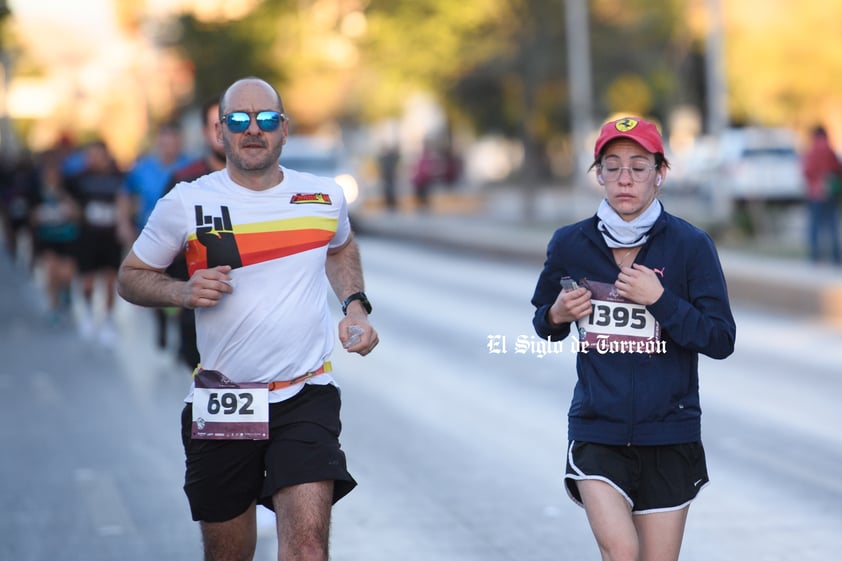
(229, 403)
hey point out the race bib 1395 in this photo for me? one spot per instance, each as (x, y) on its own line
(616, 324)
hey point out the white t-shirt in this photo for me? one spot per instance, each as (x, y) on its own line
(276, 324)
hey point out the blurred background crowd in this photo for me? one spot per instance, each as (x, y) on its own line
(101, 102)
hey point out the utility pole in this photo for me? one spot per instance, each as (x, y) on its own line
(581, 91)
(716, 94)
(579, 79)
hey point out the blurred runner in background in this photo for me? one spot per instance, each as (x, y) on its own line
(213, 160)
(55, 225)
(100, 249)
(146, 183)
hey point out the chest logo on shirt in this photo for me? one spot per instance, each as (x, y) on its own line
(216, 233)
(310, 198)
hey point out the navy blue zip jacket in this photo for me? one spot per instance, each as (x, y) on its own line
(636, 398)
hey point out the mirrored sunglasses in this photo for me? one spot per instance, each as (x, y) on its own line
(267, 121)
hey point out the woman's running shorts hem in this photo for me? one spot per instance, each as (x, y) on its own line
(650, 478)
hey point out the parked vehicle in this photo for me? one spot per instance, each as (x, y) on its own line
(751, 163)
(323, 156)
(761, 164)
(746, 169)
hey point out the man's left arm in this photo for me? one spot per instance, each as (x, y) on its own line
(344, 271)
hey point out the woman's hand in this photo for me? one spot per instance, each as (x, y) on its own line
(639, 284)
(570, 305)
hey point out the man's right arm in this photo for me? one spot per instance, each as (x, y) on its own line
(144, 285)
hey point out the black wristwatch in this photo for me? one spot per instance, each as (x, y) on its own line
(356, 296)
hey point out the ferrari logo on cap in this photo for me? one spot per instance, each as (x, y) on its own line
(625, 125)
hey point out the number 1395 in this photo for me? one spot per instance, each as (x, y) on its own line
(618, 316)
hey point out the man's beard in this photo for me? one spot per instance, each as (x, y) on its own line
(236, 158)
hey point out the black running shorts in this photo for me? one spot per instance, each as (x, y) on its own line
(650, 478)
(223, 477)
(98, 249)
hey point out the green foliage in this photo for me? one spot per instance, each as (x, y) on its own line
(500, 65)
(222, 52)
(423, 44)
(497, 65)
(503, 63)
(638, 57)
(784, 62)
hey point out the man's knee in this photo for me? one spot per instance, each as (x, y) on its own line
(304, 537)
(234, 548)
(233, 540)
(304, 521)
(305, 549)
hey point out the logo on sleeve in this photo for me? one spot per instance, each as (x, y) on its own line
(310, 198)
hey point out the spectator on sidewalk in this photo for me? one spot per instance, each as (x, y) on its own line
(823, 174)
(387, 162)
(435, 165)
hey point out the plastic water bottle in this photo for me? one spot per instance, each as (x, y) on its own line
(354, 334)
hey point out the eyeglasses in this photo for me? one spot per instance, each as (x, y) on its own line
(638, 172)
(267, 121)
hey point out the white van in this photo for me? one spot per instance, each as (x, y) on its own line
(758, 163)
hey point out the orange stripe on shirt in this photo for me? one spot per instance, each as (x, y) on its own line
(262, 246)
(257, 248)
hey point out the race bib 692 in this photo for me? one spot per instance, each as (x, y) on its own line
(225, 410)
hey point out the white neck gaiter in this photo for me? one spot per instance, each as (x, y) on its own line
(618, 233)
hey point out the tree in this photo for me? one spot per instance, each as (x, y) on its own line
(487, 61)
(501, 65)
(783, 62)
(223, 51)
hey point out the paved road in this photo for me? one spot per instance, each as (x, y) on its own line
(474, 469)
(458, 451)
(91, 463)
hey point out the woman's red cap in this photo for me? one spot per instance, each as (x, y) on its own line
(643, 132)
